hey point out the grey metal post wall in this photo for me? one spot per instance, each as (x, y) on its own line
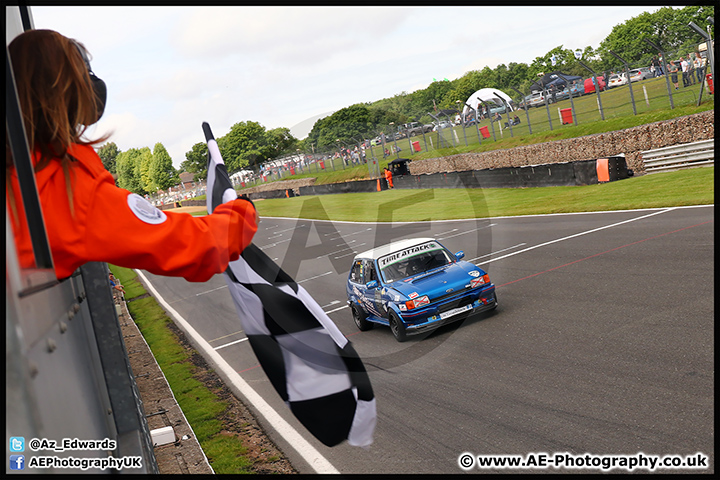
(133, 433)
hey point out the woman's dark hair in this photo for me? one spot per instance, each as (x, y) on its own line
(56, 96)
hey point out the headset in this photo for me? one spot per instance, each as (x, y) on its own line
(98, 85)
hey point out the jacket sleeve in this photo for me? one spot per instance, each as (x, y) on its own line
(126, 230)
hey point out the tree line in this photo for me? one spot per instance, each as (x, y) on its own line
(249, 144)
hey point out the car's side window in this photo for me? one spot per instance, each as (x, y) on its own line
(370, 273)
(356, 274)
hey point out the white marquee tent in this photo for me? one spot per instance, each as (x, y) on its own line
(487, 95)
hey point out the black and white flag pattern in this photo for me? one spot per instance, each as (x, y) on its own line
(308, 360)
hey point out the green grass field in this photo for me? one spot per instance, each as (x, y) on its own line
(670, 189)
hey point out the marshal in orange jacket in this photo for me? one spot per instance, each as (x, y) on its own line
(388, 177)
(112, 225)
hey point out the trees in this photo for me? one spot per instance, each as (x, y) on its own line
(127, 164)
(667, 27)
(108, 154)
(343, 125)
(162, 173)
(196, 161)
(249, 144)
(142, 169)
(281, 140)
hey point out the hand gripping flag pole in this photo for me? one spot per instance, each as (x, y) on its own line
(308, 360)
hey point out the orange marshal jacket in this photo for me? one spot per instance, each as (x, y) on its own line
(115, 226)
(388, 177)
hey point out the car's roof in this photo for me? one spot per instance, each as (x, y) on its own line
(378, 252)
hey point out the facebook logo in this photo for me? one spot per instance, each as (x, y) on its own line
(17, 444)
(17, 462)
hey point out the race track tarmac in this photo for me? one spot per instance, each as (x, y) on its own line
(602, 343)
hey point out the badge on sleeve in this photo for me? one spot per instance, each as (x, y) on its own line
(144, 210)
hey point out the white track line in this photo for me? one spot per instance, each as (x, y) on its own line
(231, 343)
(576, 235)
(309, 453)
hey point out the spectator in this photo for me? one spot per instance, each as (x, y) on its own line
(87, 217)
(691, 70)
(673, 70)
(656, 66)
(684, 68)
(700, 68)
(115, 285)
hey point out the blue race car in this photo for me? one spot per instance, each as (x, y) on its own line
(414, 286)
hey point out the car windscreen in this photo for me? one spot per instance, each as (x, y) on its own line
(413, 261)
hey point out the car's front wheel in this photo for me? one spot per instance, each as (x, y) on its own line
(397, 327)
(359, 318)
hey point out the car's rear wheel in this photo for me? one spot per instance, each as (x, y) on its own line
(359, 318)
(397, 327)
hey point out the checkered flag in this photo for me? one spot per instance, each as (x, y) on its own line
(308, 360)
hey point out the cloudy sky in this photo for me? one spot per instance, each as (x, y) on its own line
(168, 69)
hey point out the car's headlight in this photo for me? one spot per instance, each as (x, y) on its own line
(476, 282)
(417, 302)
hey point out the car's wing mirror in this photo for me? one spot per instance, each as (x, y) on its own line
(460, 255)
(371, 284)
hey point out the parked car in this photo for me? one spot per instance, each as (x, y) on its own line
(498, 109)
(638, 74)
(416, 128)
(442, 125)
(617, 80)
(535, 99)
(577, 89)
(415, 286)
(563, 94)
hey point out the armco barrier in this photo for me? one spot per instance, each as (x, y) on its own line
(346, 187)
(547, 175)
(268, 194)
(678, 157)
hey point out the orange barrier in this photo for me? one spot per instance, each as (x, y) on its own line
(603, 170)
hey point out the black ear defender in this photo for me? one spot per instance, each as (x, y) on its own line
(97, 83)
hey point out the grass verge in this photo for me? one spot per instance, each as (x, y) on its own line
(201, 406)
(670, 189)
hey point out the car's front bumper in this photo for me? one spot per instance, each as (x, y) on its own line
(450, 311)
